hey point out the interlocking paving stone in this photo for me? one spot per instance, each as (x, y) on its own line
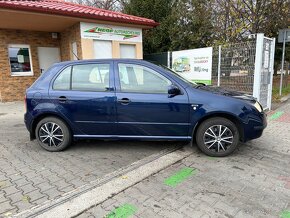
(53, 193)
(26, 168)
(6, 207)
(28, 188)
(180, 176)
(10, 190)
(123, 211)
(253, 182)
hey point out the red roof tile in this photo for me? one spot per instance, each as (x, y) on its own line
(60, 7)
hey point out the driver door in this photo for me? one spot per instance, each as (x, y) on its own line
(144, 108)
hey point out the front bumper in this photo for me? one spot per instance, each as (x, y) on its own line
(255, 126)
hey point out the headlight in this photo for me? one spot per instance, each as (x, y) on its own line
(258, 107)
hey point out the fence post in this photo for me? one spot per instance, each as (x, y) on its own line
(169, 59)
(258, 65)
(219, 66)
(272, 72)
(282, 63)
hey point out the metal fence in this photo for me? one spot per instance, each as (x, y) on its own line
(245, 66)
(163, 58)
(233, 66)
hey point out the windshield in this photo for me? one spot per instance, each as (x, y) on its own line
(176, 74)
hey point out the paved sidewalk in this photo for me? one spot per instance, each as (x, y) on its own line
(253, 182)
(277, 134)
(30, 176)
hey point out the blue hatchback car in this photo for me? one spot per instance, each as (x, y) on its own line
(135, 99)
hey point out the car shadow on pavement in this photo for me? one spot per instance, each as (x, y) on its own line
(120, 145)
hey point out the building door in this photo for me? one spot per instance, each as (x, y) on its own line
(103, 49)
(47, 56)
(127, 51)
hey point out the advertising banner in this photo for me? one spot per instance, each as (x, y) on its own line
(194, 65)
(109, 32)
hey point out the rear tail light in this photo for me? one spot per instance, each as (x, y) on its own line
(25, 103)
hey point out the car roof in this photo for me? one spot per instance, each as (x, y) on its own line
(100, 60)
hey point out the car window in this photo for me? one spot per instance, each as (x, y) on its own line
(90, 77)
(141, 79)
(62, 82)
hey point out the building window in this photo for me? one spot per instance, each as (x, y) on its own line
(20, 60)
(127, 51)
(103, 49)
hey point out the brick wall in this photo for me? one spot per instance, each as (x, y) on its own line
(68, 36)
(12, 88)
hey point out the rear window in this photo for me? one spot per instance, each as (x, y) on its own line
(62, 82)
(85, 77)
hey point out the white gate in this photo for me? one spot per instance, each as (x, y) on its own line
(264, 70)
(247, 66)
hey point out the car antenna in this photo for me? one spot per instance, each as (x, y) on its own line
(75, 55)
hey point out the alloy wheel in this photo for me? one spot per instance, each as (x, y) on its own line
(51, 134)
(218, 138)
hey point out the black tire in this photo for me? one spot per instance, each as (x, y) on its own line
(211, 127)
(54, 142)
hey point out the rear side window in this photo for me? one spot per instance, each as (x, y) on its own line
(62, 82)
(90, 77)
(86, 77)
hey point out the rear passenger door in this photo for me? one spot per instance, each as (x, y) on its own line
(85, 92)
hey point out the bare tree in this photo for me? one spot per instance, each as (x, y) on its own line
(234, 20)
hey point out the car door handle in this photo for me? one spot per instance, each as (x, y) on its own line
(124, 101)
(62, 99)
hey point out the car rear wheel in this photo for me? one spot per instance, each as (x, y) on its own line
(217, 137)
(53, 134)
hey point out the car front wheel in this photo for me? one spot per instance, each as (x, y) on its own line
(217, 137)
(53, 134)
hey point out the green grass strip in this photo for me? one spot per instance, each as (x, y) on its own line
(180, 176)
(276, 115)
(207, 82)
(123, 211)
(285, 214)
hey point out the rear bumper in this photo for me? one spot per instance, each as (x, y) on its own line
(28, 120)
(255, 127)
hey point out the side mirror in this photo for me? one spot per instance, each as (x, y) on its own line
(173, 90)
(201, 84)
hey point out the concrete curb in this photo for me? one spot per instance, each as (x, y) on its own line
(285, 98)
(77, 201)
